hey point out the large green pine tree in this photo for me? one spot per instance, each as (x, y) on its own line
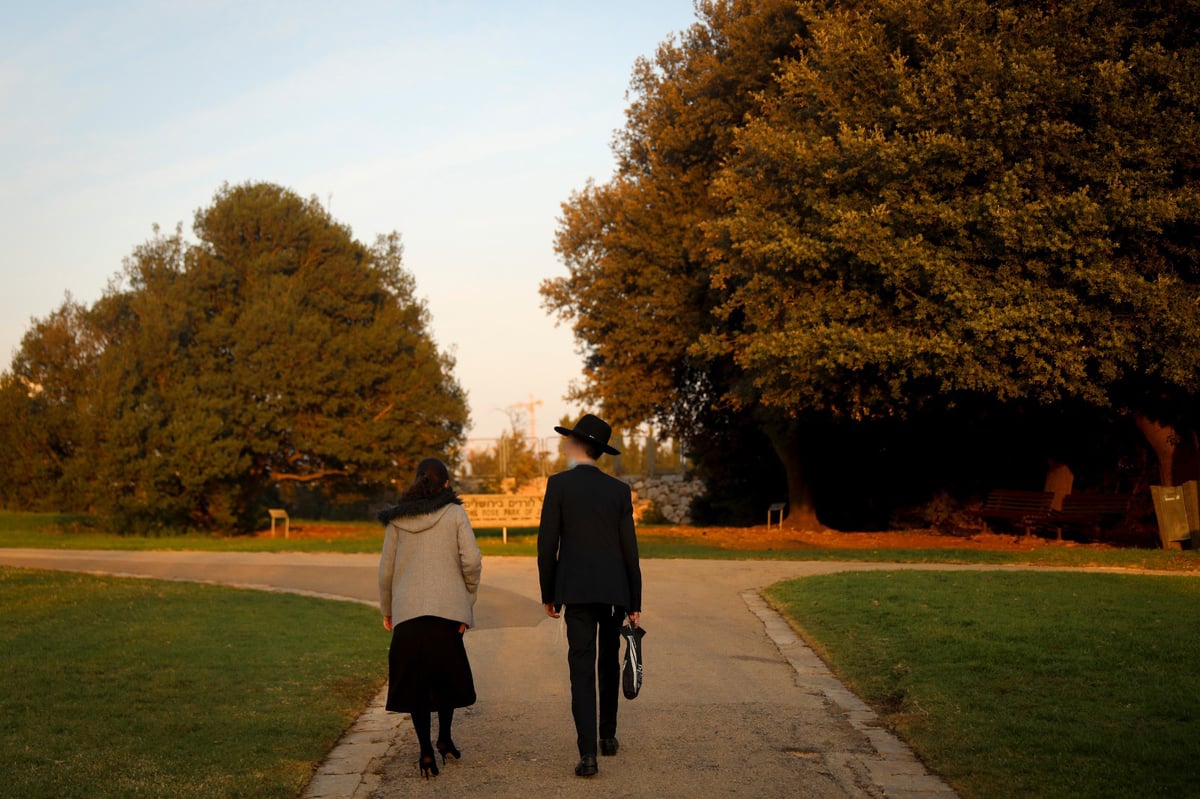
(275, 349)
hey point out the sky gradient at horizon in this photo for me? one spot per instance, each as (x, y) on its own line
(463, 125)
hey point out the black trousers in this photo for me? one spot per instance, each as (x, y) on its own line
(594, 655)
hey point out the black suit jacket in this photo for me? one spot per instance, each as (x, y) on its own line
(587, 546)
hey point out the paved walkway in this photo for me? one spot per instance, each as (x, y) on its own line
(734, 704)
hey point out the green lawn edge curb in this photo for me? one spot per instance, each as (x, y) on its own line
(1019, 683)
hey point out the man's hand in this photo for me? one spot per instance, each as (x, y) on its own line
(550, 611)
(635, 617)
(387, 623)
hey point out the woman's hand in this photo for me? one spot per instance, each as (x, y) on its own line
(635, 617)
(550, 611)
(387, 623)
(462, 628)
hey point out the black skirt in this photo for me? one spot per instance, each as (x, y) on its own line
(428, 668)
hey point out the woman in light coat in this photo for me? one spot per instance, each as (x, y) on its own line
(428, 579)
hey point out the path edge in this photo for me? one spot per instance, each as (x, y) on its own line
(894, 769)
(353, 769)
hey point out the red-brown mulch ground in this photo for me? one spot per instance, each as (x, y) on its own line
(763, 538)
(760, 537)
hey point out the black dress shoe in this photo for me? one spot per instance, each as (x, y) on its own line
(587, 766)
(609, 746)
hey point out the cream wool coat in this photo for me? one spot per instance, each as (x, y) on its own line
(430, 567)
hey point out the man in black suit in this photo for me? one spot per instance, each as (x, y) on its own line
(588, 561)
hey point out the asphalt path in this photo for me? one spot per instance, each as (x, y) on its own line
(722, 713)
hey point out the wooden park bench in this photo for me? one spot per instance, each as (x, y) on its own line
(776, 509)
(1090, 512)
(1025, 509)
(278, 514)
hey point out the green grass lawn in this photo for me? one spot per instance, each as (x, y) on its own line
(135, 688)
(61, 531)
(1022, 684)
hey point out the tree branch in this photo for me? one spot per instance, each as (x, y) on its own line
(384, 412)
(306, 478)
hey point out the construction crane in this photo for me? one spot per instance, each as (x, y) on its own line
(530, 409)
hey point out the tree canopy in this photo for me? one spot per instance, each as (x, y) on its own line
(849, 213)
(274, 349)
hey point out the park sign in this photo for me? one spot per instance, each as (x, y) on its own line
(503, 510)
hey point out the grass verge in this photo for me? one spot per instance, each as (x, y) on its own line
(136, 688)
(1021, 684)
(61, 531)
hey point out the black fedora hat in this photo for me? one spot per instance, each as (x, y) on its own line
(591, 429)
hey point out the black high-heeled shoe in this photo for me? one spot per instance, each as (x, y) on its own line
(448, 748)
(428, 766)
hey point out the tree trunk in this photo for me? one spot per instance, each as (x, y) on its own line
(1163, 440)
(802, 510)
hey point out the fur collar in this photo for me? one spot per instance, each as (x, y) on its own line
(407, 508)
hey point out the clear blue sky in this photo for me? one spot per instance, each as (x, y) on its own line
(463, 125)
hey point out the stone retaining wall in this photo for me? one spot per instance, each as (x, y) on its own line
(667, 498)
